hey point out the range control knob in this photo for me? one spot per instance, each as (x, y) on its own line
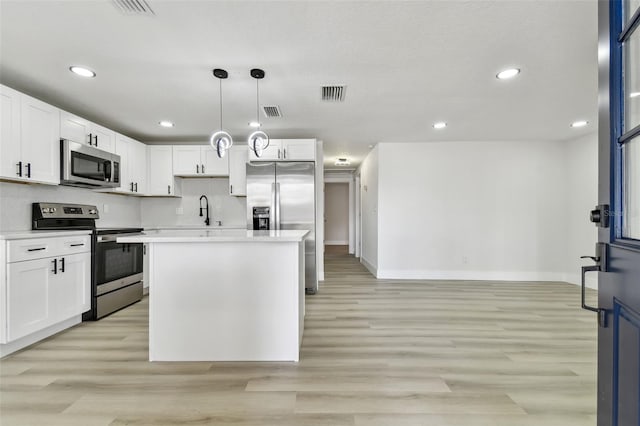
(93, 211)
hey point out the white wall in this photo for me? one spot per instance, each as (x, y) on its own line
(369, 211)
(161, 212)
(336, 213)
(479, 210)
(581, 196)
(16, 199)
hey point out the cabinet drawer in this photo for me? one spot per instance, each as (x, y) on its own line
(38, 248)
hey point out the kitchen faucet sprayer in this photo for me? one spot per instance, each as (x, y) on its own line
(206, 221)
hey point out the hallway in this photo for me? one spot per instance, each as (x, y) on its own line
(375, 353)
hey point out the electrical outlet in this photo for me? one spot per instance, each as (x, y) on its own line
(105, 208)
(179, 210)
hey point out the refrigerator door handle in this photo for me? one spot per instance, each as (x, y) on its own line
(272, 209)
(277, 206)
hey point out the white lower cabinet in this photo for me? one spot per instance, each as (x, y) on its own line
(70, 288)
(42, 292)
(28, 293)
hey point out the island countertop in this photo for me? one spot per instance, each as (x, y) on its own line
(214, 235)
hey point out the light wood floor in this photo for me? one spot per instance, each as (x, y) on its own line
(375, 352)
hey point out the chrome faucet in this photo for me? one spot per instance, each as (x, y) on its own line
(206, 221)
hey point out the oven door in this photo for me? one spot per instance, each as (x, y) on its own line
(117, 265)
(87, 166)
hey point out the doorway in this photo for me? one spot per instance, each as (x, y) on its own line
(336, 217)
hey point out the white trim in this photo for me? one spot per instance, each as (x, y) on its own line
(373, 269)
(32, 338)
(469, 275)
(336, 243)
(357, 222)
(346, 177)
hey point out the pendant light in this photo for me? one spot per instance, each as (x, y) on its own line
(258, 141)
(220, 140)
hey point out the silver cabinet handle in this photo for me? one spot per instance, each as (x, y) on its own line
(197, 168)
(277, 206)
(231, 191)
(37, 249)
(202, 167)
(136, 186)
(284, 151)
(278, 152)
(169, 189)
(90, 138)
(76, 245)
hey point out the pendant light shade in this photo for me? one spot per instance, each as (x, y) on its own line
(258, 141)
(220, 140)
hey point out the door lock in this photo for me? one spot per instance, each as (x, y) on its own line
(600, 216)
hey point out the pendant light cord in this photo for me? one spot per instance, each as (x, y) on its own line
(258, 103)
(220, 81)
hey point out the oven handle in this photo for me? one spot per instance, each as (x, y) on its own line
(112, 238)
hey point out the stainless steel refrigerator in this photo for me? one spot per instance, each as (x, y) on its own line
(281, 195)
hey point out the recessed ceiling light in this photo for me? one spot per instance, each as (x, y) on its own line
(165, 123)
(254, 124)
(508, 73)
(82, 71)
(342, 162)
(579, 123)
(634, 94)
(439, 125)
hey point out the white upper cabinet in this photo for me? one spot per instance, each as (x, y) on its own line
(198, 161)
(30, 139)
(238, 157)
(287, 150)
(160, 180)
(212, 164)
(10, 152)
(272, 153)
(133, 165)
(83, 131)
(299, 149)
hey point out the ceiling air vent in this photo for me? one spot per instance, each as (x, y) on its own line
(271, 111)
(133, 7)
(334, 93)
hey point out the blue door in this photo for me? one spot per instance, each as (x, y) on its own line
(617, 256)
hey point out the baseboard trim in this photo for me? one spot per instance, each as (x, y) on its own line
(373, 269)
(336, 243)
(23, 342)
(469, 275)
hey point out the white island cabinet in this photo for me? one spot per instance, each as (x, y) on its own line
(225, 295)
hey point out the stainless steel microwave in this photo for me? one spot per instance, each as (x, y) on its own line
(88, 167)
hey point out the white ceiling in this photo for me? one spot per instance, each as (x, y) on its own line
(405, 64)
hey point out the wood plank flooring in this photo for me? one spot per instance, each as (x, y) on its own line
(375, 353)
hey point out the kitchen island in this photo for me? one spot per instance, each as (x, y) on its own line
(225, 294)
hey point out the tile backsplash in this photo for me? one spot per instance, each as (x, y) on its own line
(169, 212)
(16, 198)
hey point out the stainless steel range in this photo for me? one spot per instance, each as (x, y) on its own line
(116, 269)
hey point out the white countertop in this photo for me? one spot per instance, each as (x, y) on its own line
(20, 235)
(214, 235)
